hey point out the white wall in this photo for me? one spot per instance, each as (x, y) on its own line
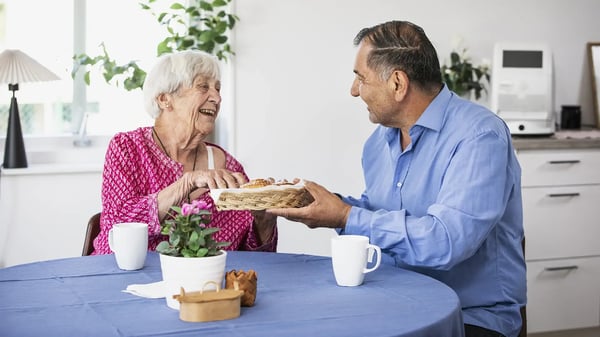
(294, 116)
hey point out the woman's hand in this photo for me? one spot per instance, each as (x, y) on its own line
(193, 184)
(264, 225)
(219, 178)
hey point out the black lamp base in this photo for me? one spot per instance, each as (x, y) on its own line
(14, 148)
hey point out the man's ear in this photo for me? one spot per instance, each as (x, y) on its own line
(399, 84)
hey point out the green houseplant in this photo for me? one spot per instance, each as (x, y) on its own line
(203, 25)
(189, 235)
(462, 77)
(190, 258)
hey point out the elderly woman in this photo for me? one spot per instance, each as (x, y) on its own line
(150, 169)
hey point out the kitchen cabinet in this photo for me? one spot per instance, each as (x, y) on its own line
(561, 218)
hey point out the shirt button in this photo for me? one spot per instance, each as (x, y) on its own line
(399, 184)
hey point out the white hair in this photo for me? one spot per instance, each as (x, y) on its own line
(171, 71)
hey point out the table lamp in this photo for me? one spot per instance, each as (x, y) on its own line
(17, 67)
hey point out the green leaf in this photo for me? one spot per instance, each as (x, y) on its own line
(194, 241)
(188, 253)
(232, 19)
(208, 47)
(206, 6)
(185, 44)
(165, 230)
(210, 231)
(177, 5)
(207, 36)
(220, 39)
(202, 252)
(454, 58)
(162, 247)
(223, 244)
(174, 238)
(221, 27)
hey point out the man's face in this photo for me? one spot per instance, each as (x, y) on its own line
(376, 93)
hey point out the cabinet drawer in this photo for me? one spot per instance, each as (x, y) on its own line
(565, 167)
(561, 222)
(563, 294)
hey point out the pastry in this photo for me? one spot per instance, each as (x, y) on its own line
(259, 182)
(246, 282)
(256, 183)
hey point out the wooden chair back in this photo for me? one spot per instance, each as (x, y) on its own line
(93, 229)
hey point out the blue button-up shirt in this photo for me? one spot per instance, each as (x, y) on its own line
(449, 206)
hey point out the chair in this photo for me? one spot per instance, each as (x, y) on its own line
(523, 332)
(93, 229)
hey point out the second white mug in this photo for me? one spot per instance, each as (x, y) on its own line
(129, 242)
(349, 257)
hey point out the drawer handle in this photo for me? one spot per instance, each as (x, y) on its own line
(575, 161)
(561, 268)
(563, 195)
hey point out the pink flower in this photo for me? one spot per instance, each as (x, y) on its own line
(188, 209)
(199, 204)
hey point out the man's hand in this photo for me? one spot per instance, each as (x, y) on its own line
(326, 211)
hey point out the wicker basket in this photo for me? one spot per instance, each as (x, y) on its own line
(262, 198)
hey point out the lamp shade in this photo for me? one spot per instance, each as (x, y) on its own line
(18, 67)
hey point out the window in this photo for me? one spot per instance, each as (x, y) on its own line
(26, 25)
(50, 32)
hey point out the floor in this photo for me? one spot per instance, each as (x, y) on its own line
(591, 332)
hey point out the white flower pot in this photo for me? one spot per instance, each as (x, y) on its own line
(191, 273)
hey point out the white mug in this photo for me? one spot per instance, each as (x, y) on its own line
(129, 242)
(349, 256)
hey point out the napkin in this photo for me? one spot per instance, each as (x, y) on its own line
(148, 290)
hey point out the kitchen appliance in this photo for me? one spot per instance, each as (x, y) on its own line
(522, 91)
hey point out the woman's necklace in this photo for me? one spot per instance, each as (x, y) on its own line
(168, 155)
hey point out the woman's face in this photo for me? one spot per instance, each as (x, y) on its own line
(199, 105)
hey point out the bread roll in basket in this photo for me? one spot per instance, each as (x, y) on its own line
(261, 194)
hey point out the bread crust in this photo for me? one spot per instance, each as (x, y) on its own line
(256, 183)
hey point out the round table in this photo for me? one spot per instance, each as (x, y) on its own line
(297, 296)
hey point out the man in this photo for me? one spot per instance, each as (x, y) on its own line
(442, 193)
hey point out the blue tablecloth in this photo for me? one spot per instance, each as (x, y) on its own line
(297, 296)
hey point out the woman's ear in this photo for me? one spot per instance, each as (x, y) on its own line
(163, 101)
(399, 84)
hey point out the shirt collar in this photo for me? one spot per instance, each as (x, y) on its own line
(433, 117)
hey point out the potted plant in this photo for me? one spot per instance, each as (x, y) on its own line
(464, 78)
(203, 25)
(190, 258)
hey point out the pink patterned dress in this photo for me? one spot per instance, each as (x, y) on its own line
(135, 170)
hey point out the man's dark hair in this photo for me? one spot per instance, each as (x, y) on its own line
(402, 45)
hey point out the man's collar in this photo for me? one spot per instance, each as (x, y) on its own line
(433, 116)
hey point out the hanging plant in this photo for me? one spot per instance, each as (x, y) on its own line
(203, 25)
